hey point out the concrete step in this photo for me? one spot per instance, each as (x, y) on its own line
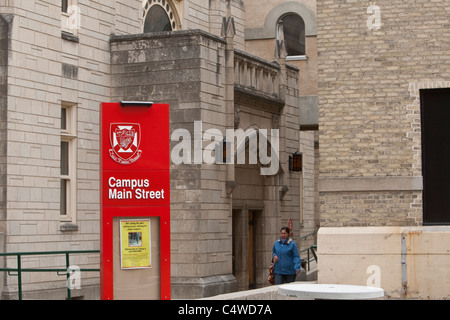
(308, 275)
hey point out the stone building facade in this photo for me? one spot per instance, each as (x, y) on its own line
(376, 63)
(214, 63)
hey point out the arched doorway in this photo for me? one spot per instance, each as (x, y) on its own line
(255, 219)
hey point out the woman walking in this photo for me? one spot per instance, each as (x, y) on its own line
(286, 258)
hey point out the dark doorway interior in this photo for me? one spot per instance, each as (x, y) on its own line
(245, 247)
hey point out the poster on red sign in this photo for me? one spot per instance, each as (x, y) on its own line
(135, 186)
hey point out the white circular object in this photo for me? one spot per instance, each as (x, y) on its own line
(330, 291)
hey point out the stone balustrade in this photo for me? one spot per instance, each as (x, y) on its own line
(256, 76)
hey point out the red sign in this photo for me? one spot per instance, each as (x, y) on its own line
(135, 179)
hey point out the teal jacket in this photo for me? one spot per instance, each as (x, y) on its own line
(288, 257)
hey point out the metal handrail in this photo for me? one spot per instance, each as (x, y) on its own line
(66, 271)
(312, 249)
(314, 255)
(309, 235)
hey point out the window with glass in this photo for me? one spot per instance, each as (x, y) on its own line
(158, 16)
(294, 34)
(64, 5)
(68, 163)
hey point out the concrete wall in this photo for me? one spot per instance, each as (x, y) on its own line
(267, 293)
(407, 262)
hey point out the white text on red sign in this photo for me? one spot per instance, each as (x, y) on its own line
(132, 189)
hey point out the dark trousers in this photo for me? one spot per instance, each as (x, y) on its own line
(284, 278)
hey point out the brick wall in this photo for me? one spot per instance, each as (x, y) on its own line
(369, 111)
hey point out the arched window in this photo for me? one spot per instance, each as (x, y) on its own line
(158, 16)
(294, 34)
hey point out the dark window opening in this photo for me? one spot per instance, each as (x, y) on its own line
(64, 5)
(435, 120)
(294, 34)
(157, 20)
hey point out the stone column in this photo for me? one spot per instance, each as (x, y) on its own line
(228, 32)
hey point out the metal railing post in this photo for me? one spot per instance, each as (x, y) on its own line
(309, 267)
(68, 277)
(19, 276)
(311, 248)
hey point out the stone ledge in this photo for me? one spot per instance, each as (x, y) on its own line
(165, 34)
(191, 288)
(362, 184)
(68, 227)
(266, 293)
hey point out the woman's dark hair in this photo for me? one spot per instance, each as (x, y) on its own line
(285, 229)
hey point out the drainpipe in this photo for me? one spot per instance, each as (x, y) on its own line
(403, 262)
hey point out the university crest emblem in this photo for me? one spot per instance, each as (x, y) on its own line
(125, 140)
